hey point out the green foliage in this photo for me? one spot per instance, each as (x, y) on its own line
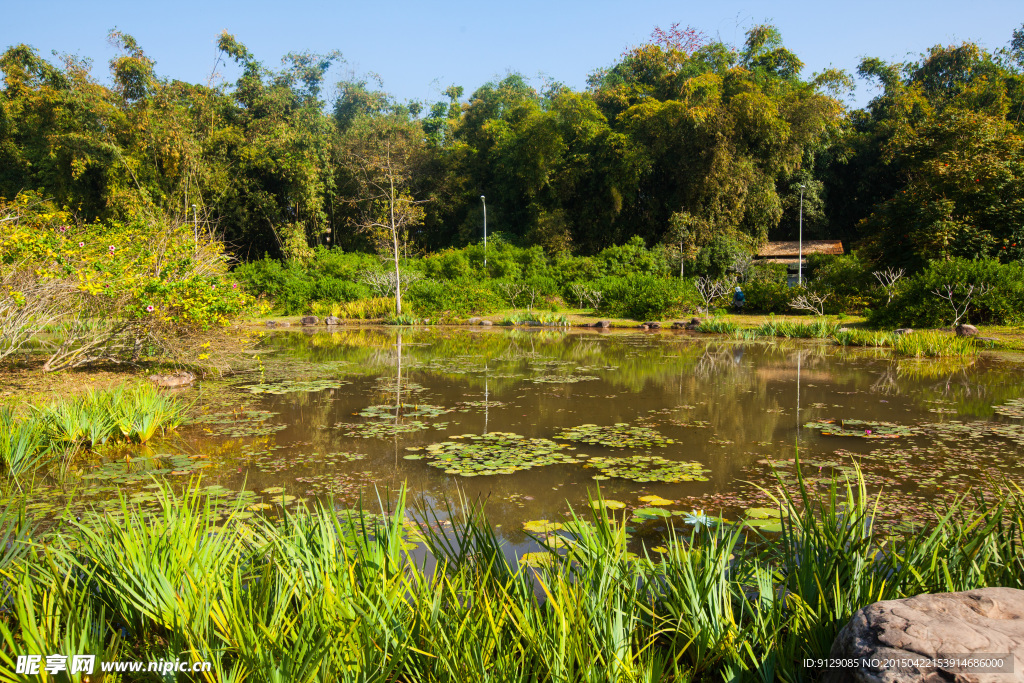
(713, 602)
(933, 344)
(717, 326)
(819, 329)
(718, 257)
(331, 275)
(642, 297)
(455, 298)
(917, 305)
(846, 279)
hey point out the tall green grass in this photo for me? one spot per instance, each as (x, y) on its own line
(933, 344)
(135, 414)
(864, 338)
(819, 329)
(717, 326)
(328, 596)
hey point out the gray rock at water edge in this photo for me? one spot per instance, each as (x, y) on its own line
(983, 624)
(678, 325)
(309, 320)
(644, 326)
(694, 323)
(486, 323)
(285, 324)
(903, 330)
(965, 330)
(331, 320)
(177, 379)
(473, 321)
(653, 324)
(271, 323)
(604, 323)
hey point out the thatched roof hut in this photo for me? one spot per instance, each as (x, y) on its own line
(789, 252)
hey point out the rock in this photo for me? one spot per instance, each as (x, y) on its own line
(177, 379)
(644, 327)
(844, 329)
(987, 339)
(985, 622)
(903, 330)
(271, 323)
(965, 330)
(678, 325)
(473, 321)
(654, 325)
(285, 324)
(331, 320)
(693, 324)
(604, 323)
(486, 323)
(309, 320)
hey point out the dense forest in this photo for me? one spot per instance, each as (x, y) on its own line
(681, 140)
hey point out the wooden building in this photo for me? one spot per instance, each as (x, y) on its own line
(789, 253)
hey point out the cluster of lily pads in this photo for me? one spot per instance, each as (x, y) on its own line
(239, 423)
(1012, 408)
(862, 428)
(492, 453)
(380, 429)
(294, 386)
(647, 468)
(387, 412)
(618, 435)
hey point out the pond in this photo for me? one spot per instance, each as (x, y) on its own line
(532, 421)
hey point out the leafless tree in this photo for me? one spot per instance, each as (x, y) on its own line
(710, 290)
(959, 296)
(28, 305)
(887, 279)
(594, 297)
(811, 302)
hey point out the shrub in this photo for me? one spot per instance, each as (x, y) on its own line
(641, 297)
(719, 256)
(916, 304)
(846, 279)
(459, 297)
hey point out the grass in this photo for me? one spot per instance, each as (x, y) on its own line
(527, 317)
(61, 428)
(933, 344)
(361, 309)
(717, 325)
(322, 595)
(819, 329)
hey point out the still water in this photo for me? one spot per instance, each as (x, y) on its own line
(533, 421)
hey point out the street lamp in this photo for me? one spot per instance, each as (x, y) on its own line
(484, 202)
(800, 255)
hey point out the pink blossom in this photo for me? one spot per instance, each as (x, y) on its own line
(81, 244)
(111, 247)
(149, 309)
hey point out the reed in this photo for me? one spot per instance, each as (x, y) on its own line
(717, 326)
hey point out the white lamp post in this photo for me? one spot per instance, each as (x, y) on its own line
(800, 255)
(484, 202)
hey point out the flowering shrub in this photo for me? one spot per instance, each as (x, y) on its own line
(147, 279)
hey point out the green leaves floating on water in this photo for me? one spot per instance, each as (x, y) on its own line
(294, 386)
(862, 429)
(647, 468)
(495, 453)
(562, 379)
(619, 435)
(385, 430)
(387, 412)
(1012, 408)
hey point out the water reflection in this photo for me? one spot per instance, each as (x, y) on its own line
(726, 404)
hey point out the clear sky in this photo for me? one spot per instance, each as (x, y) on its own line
(419, 48)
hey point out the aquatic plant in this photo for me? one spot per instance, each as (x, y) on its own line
(709, 602)
(933, 344)
(717, 326)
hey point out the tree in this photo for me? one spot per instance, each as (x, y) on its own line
(382, 155)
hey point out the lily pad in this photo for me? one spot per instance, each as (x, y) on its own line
(619, 435)
(648, 468)
(495, 453)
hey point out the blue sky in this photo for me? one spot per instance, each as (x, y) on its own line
(419, 48)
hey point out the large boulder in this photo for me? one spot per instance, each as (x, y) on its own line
(965, 330)
(332, 320)
(310, 320)
(604, 324)
(981, 624)
(177, 379)
(486, 323)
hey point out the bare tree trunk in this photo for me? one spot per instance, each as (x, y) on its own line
(394, 238)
